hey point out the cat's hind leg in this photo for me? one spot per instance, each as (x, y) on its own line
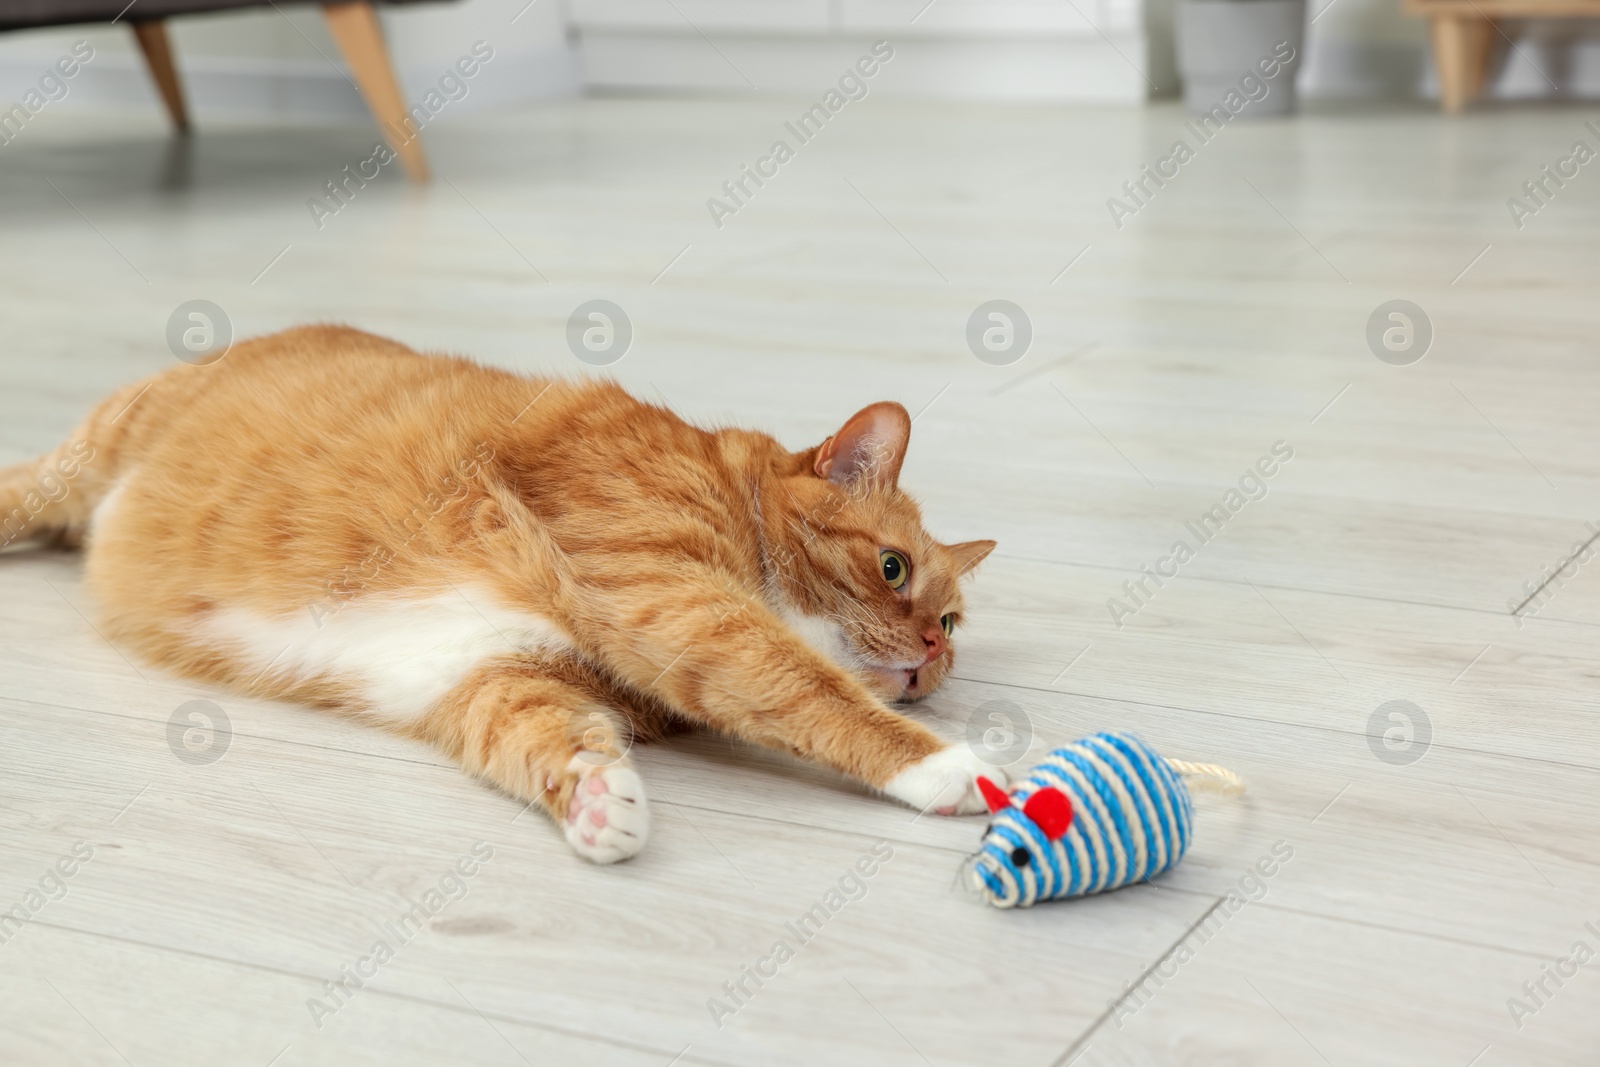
(542, 735)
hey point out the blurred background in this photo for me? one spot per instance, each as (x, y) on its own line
(273, 62)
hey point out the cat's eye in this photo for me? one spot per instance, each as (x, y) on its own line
(947, 623)
(895, 568)
(1020, 857)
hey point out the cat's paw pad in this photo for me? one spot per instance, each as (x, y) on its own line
(607, 818)
(945, 783)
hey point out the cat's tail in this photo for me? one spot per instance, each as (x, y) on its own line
(51, 498)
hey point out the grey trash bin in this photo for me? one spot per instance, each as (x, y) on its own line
(1222, 43)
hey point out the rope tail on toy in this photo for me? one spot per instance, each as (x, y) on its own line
(1209, 777)
(1103, 812)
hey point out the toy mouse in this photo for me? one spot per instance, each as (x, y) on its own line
(1097, 814)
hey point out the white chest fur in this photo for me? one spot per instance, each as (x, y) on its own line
(824, 635)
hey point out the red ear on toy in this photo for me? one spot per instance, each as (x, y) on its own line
(1050, 811)
(993, 795)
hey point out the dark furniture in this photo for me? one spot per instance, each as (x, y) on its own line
(353, 25)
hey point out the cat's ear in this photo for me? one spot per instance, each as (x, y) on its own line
(968, 554)
(868, 449)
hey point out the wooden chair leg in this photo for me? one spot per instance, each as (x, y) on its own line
(354, 27)
(152, 38)
(1481, 37)
(1460, 51)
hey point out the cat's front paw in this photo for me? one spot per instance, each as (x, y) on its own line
(607, 818)
(945, 782)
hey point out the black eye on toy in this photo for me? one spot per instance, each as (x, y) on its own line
(1020, 857)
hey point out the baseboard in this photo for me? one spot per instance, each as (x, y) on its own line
(1062, 70)
(1339, 70)
(1079, 68)
(302, 90)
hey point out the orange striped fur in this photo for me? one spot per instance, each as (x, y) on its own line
(633, 574)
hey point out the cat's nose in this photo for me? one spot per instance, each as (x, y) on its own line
(933, 638)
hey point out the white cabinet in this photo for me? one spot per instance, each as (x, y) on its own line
(721, 16)
(955, 49)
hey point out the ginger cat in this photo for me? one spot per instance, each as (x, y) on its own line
(530, 574)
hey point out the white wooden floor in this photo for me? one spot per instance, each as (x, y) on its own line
(1228, 314)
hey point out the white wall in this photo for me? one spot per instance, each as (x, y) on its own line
(1034, 49)
(270, 65)
(267, 64)
(1016, 50)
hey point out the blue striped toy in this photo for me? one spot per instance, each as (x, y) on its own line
(1097, 814)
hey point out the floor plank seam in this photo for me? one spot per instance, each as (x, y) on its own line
(1427, 934)
(825, 829)
(1270, 722)
(1127, 990)
(1306, 590)
(388, 993)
